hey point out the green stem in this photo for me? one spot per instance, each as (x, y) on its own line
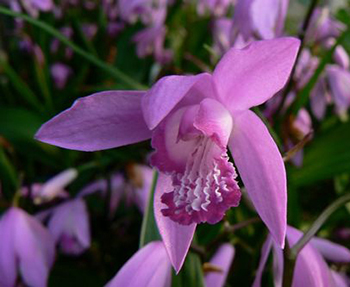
(116, 73)
(318, 223)
(288, 266)
(291, 254)
(149, 229)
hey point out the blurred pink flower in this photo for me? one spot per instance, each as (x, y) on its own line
(222, 259)
(26, 248)
(70, 227)
(216, 7)
(33, 7)
(311, 268)
(263, 19)
(60, 73)
(53, 188)
(150, 266)
(136, 190)
(332, 85)
(151, 41)
(322, 26)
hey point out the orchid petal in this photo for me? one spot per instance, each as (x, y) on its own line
(70, 222)
(167, 93)
(339, 82)
(214, 121)
(340, 279)
(281, 17)
(35, 249)
(100, 121)
(142, 192)
(262, 170)
(176, 238)
(148, 267)
(331, 251)
(341, 57)
(171, 154)
(318, 99)
(310, 269)
(265, 251)
(264, 15)
(248, 77)
(54, 187)
(8, 266)
(241, 15)
(222, 259)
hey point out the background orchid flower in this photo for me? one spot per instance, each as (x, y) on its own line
(140, 183)
(311, 268)
(322, 26)
(339, 82)
(222, 30)
(151, 41)
(262, 19)
(295, 129)
(222, 259)
(135, 190)
(60, 74)
(192, 120)
(53, 188)
(216, 7)
(332, 85)
(69, 224)
(26, 247)
(150, 266)
(33, 7)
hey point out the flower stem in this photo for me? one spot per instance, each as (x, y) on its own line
(149, 229)
(289, 264)
(291, 254)
(318, 223)
(113, 71)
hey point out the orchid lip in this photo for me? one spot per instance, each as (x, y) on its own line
(206, 189)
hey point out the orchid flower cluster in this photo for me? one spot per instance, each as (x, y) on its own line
(225, 142)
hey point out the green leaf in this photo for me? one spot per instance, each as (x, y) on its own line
(18, 123)
(19, 127)
(149, 229)
(326, 156)
(8, 175)
(20, 86)
(191, 273)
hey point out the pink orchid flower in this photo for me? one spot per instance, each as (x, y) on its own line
(260, 18)
(135, 191)
(60, 74)
(311, 268)
(215, 7)
(192, 120)
(69, 225)
(26, 248)
(33, 7)
(150, 266)
(52, 189)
